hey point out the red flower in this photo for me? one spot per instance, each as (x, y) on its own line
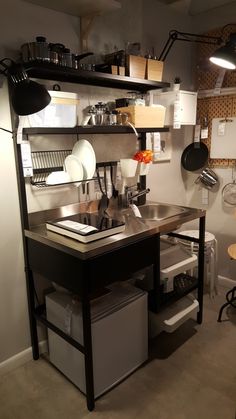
(143, 156)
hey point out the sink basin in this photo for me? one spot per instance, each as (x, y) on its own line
(160, 211)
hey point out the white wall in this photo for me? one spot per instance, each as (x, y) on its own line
(220, 218)
(168, 181)
(164, 179)
(19, 22)
(13, 313)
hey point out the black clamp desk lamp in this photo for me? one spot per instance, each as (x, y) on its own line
(225, 56)
(27, 96)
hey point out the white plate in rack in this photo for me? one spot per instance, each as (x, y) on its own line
(58, 177)
(84, 151)
(74, 168)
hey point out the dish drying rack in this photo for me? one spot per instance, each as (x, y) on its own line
(46, 162)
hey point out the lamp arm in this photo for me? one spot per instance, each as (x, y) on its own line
(188, 37)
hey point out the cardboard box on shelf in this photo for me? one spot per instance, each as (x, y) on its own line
(154, 70)
(145, 116)
(136, 66)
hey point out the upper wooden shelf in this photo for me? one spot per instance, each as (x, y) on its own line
(95, 78)
(79, 8)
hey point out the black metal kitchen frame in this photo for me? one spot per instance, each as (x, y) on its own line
(57, 265)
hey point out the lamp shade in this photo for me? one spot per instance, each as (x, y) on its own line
(27, 96)
(225, 56)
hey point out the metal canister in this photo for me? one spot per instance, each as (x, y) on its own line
(66, 58)
(100, 113)
(36, 51)
(208, 178)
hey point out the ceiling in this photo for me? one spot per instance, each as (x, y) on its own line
(195, 7)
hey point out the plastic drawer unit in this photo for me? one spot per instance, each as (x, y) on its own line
(119, 335)
(174, 316)
(175, 260)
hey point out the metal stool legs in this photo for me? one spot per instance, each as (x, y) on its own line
(231, 301)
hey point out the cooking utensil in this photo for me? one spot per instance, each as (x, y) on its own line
(113, 201)
(208, 178)
(195, 155)
(104, 201)
(229, 191)
(56, 51)
(77, 58)
(38, 50)
(115, 192)
(66, 58)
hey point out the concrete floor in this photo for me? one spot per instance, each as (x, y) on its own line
(191, 374)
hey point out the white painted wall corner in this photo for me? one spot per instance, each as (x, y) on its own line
(21, 358)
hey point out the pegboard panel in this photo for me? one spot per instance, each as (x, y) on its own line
(216, 107)
(207, 75)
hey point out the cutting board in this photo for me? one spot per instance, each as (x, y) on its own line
(223, 138)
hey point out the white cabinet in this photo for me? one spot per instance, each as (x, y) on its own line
(117, 350)
(187, 105)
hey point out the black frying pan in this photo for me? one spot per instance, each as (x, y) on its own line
(194, 156)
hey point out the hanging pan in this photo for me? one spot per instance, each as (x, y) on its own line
(195, 155)
(229, 191)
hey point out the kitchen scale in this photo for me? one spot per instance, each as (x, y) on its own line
(86, 227)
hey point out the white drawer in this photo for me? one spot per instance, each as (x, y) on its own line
(174, 316)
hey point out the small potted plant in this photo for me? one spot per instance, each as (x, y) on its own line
(176, 84)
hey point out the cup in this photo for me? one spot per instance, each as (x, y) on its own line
(142, 169)
(128, 167)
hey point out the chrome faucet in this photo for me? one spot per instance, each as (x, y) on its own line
(131, 193)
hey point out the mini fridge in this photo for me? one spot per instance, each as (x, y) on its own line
(119, 335)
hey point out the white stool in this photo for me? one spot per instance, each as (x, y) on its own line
(211, 257)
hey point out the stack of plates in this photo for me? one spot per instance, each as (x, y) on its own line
(81, 164)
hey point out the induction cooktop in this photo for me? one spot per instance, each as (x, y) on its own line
(86, 227)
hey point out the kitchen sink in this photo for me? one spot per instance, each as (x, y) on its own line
(160, 212)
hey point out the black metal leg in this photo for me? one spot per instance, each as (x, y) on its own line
(201, 254)
(231, 299)
(31, 308)
(88, 350)
(221, 311)
(155, 295)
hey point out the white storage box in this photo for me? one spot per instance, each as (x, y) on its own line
(175, 260)
(173, 317)
(119, 335)
(61, 111)
(187, 101)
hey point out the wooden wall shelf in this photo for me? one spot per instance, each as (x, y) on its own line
(94, 78)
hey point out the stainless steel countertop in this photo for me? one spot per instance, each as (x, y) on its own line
(135, 229)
